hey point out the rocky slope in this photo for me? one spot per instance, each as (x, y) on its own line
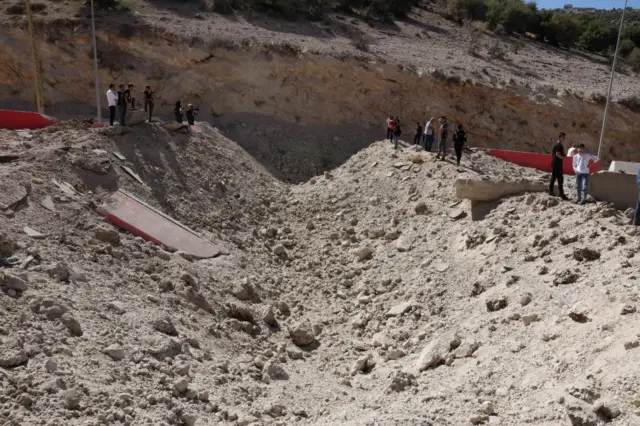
(363, 296)
(302, 97)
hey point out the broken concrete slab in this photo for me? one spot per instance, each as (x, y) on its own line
(11, 193)
(65, 187)
(48, 204)
(132, 174)
(490, 190)
(457, 214)
(137, 217)
(33, 233)
(619, 189)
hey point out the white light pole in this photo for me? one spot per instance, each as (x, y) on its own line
(95, 63)
(613, 71)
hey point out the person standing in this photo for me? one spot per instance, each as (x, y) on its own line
(126, 99)
(177, 110)
(581, 163)
(444, 133)
(191, 114)
(571, 151)
(459, 140)
(418, 137)
(389, 129)
(557, 157)
(429, 134)
(112, 101)
(149, 101)
(120, 102)
(132, 100)
(396, 133)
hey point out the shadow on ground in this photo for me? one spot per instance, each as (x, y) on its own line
(295, 152)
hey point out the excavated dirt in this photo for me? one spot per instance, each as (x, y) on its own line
(364, 296)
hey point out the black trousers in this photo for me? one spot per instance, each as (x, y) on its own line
(557, 174)
(458, 149)
(148, 106)
(389, 133)
(417, 138)
(123, 113)
(112, 114)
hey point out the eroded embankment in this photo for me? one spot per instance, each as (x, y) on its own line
(298, 113)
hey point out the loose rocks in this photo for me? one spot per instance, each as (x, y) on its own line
(302, 334)
(115, 352)
(496, 303)
(165, 325)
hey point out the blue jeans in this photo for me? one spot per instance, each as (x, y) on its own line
(428, 142)
(637, 222)
(582, 184)
(396, 138)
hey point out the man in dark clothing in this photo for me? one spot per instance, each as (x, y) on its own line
(126, 98)
(459, 140)
(191, 114)
(148, 101)
(132, 100)
(557, 156)
(418, 137)
(120, 101)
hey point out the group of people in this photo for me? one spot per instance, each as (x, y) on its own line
(124, 99)
(426, 136)
(190, 113)
(581, 161)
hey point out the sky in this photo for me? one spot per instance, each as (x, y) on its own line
(600, 4)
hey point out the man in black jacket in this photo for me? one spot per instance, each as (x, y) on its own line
(557, 157)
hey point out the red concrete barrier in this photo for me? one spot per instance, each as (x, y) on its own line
(132, 214)
(18, 120)
(536, 160)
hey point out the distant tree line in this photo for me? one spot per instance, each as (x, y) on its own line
(594, 31)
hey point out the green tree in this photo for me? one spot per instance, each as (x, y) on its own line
(598, 36)
(459, 10)
(626, 47)
(567, 31)
(513, 15)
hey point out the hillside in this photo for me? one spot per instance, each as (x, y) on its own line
(290, 92)
(364, 296)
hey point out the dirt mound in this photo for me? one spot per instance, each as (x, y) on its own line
(368, 295)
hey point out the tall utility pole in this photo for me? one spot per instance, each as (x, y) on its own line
(613, 71)
(95, 63)
(36, 62)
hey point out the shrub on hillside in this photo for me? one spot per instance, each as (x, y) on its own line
(598, 37)
(626, 47)
(514, 15)
(460, 10)
(631, 102)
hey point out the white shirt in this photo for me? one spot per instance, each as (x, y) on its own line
(581, 162)
(428, 128)
(571, 152)
(112, 97)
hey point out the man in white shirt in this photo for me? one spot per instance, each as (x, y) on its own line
(581, 163)
(572, 151)
(112, 100)
(428, 134)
